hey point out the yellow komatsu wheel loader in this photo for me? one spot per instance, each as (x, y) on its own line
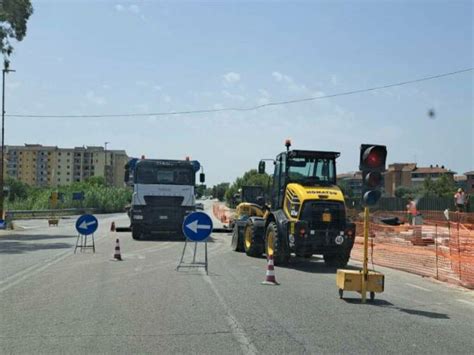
(306, 214)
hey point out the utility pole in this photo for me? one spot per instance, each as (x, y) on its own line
(106, 175)
(5, 70)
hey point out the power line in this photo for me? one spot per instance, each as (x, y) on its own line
(252, 108)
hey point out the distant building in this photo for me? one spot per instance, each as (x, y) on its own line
(433, 172)
(410, 175)
(39, 165)
(461, 181)
(469, 182)
(397, 174)
(353, 180)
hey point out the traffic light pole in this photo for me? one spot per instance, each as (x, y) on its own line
(365, 270)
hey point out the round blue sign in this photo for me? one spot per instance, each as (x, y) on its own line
(86, 224)
(196, 165)
(197, 226)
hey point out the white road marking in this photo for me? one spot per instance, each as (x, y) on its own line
(8, 278)
(466, 302)
(418, 287)
(236, 329)
(153, 247)
(36, 271)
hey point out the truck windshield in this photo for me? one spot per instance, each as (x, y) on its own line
(308, 171)
(154, 174)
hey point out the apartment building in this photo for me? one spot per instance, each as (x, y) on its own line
(353, 180)
(407, 175)
(39, 165)
(410, 175)
(469, 182)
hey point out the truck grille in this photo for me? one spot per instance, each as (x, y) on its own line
(164, 201)
(313, 211)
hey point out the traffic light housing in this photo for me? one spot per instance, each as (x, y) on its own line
(372, 165)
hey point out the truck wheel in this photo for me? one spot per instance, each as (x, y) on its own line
(276, 245)
(251, 247)
(136, 232)
(237, 243)
(336, 260)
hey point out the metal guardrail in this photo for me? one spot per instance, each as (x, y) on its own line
(27, 214)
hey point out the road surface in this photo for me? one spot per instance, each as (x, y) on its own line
(55, 301)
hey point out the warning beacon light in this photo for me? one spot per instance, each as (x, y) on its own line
(372, 165)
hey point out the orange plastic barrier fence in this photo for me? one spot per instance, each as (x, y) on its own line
(222, 212)
(432, 217)
(444, 251)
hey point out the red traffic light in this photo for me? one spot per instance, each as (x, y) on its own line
(372, 157)
(372, 165)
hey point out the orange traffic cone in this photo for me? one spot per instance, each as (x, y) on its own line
(117, 255)
(112, 227)
(270, 276)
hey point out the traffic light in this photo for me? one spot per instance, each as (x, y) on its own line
(372, 165)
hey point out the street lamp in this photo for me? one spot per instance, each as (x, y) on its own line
(5, 70)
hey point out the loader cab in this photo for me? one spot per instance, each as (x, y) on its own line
(307, 168)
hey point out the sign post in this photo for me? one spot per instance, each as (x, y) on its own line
(85, 225)
(197, 227)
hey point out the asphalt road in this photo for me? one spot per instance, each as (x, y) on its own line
(55, 301)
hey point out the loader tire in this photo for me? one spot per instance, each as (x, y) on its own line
(136, 233)
(276, 245)
(251, 246)
(237, 243)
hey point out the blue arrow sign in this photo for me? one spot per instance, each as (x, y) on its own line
(86, 224)
(197, 226)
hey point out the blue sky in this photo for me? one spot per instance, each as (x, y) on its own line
(106, 57)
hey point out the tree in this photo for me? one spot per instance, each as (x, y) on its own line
(17, 190)
(346, 189)
(14, 15)
(219, 190)
(96, 181)
(406, 192)
(200, 190)
(442, 187)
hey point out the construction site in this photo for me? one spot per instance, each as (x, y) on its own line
(440, 249)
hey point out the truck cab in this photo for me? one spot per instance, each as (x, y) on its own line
(163, 194)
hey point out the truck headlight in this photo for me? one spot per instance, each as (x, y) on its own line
(339, 239)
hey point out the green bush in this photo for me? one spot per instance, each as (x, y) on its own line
(96, 195)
